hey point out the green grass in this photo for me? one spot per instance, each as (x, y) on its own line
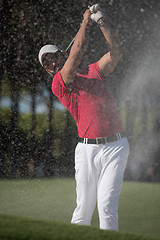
(54, 199)
(139, 208)
(16, 228)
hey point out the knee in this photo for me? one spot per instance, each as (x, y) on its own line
(108, 216)
(108, 208)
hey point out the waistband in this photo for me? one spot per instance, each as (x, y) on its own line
(102, 140)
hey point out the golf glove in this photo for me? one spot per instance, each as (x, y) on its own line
(96, 12)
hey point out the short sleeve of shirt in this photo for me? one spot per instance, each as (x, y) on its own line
(92, 71)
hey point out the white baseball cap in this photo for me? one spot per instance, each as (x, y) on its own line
(47, 49)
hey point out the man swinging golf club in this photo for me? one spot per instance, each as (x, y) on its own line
(102, 151)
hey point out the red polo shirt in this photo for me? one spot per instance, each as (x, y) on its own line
(90, 103)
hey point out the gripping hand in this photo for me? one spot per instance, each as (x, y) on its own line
(96, 12)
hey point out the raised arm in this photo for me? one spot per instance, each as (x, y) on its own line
(77, 51)
(108, 62)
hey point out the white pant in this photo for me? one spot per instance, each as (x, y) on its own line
(99, 176)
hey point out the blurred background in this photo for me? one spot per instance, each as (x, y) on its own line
(37, 135)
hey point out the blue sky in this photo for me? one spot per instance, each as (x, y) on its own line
(25, 105)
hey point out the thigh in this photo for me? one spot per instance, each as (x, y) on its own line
(111, 177)
(85, 174)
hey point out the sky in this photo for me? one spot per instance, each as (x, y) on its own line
(25, 105)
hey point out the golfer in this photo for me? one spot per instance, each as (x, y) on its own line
(102, 151)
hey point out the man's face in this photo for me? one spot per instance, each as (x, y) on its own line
(53, 62)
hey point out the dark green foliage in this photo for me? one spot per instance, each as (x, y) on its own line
(25, 156)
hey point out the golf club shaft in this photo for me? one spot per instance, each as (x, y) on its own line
(70, 44)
